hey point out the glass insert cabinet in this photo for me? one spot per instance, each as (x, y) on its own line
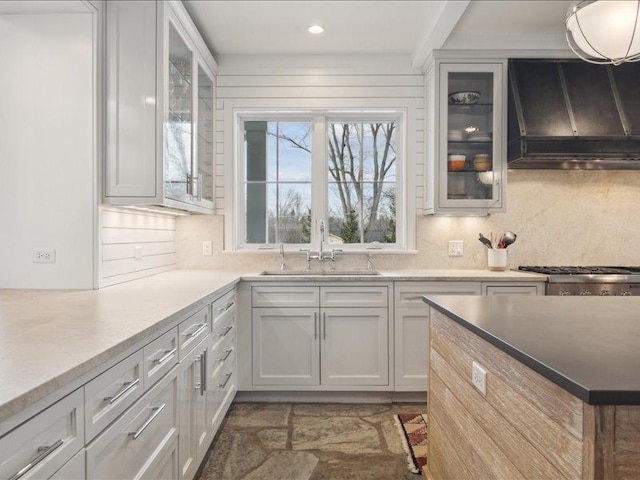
(467, 160)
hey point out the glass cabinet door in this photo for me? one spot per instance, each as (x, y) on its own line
(178, 148)
(471, 135)
(205, 137)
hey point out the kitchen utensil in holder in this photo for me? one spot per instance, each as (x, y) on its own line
(497, 259)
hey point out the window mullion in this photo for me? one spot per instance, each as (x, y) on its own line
(319, 186)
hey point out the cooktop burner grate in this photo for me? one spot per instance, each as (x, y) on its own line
(589, 270)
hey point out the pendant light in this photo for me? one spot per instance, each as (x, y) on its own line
(604, 31)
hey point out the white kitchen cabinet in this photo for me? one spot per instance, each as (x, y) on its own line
(42, 445)
(474, 181)
(192, 408)
(355, 346)
(160, 108)
(286, 346)
(320, 337)
(411, 328)
(139, 442)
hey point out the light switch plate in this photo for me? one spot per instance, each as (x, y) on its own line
(137, 252)
(456, 248)
(479, 378)
(206, 248)
(44, 255)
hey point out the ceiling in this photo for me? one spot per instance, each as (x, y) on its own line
(370, 27)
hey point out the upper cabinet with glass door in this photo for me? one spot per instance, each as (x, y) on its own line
(466, 160)
(160, 108)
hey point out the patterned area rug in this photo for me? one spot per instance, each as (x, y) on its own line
(413, 430)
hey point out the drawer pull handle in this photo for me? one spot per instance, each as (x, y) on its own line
(227, 353)
(414, 297)
(203, 373)
(225, 308)
(197, 331)
(167, 355)
(227, 377)
(156, 411)
(227, 330)
(43, 452)
(126, 386)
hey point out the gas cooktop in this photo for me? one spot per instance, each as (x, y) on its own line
(582, 270)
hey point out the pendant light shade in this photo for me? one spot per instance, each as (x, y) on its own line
(605, 31)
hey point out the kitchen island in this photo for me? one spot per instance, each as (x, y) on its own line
(562, 387)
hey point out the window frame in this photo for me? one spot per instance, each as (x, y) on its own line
(319, 175)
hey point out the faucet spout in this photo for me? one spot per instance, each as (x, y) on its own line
(282, 264)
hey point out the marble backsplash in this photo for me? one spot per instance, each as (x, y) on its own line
(561, 218)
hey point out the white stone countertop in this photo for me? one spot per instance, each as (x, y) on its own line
(401, 275)
(49, 338)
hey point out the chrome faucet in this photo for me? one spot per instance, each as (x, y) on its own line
(282, 265)
(369, 263)
(320, 251)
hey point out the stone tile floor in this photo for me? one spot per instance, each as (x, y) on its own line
(285, 441)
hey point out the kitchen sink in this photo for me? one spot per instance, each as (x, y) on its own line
(321, 273)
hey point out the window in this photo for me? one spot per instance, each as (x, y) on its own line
(342, 169)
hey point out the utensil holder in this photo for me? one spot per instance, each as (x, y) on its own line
(497, 259)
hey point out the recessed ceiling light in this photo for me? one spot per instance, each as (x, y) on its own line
(316, 29)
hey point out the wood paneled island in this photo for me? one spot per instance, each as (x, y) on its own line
(562, 394)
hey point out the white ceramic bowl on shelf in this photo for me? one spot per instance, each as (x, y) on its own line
(464, 98)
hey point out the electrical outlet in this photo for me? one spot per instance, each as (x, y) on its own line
(137, 252)
(44, 255)
(206, 248)
(479, 378)
(456, 248)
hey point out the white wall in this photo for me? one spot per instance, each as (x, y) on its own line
(47, 157)
(321, 82)
(122, 231)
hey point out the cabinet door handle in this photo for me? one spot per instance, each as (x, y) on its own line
(197, 331)
(167, 355)
(156, 411)
(227, 377)
(226, 355)
(227, 330)
(324, 325)
(126, 386)
(203, 373)
(225, 308)
(43, 452)
(415, 297)
(315, 325)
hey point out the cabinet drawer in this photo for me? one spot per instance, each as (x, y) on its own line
(224, 329)
(409, 294)
(192, 330)
(490, 290)
(135, 444)
(222, 308)
(284, 296)
(354, 297)
(218, 396)
(39, 447)
(111, 393)
(160, 356)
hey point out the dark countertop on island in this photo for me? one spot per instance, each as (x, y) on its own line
(588, 346)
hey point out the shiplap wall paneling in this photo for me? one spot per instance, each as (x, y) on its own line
(122, 232)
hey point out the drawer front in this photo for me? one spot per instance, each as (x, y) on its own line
(284, 296)
(221, 393)
(42, 445)
(159, 357)
(131, 446)
(111, 393)
(491, 290)
(222, 308)
(193, 330)
(74, 469)
(224, 329)
(409, 294)
(354, 297)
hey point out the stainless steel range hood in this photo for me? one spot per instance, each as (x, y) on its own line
(569, 114)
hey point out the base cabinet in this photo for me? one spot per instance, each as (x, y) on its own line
(321, 336)
(192, 409)
(137, 443)
(411, 347)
